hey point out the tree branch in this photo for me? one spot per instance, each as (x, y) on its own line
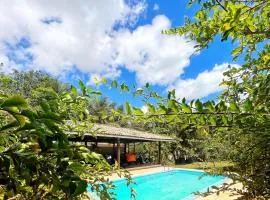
(221, 6)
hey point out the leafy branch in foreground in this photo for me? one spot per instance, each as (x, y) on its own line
(246, 24)
(37, 161)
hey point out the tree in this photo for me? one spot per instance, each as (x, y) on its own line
(246, 24)
(101, 110)
(33, 85)
(37, 161)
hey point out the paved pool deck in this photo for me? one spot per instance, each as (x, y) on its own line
(222, 196)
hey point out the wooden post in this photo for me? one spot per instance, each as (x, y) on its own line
(128, 147)
(113, 147)
(149, 155)
(159, 152)
(118, 152)
(134, 148)
(97, 146)
(125, 148)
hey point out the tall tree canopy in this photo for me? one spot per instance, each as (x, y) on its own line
(246, 24)
(37, 161)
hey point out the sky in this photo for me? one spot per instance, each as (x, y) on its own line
(115, 39)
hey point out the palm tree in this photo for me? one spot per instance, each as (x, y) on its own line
(101, 109)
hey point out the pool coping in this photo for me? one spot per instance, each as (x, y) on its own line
(165, 169)
(150, 173)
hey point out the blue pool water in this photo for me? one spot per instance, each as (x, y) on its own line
(170, 185)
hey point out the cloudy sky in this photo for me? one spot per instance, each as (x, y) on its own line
(116, 39)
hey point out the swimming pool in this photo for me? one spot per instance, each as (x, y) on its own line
(169, 185)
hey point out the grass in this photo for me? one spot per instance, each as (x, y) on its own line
(206, 165)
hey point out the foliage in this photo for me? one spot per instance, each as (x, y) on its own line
(235, 128)
(217, 130)
(245, 123)
(206, 165)
(37, 161)
(101, 110)
(32, 85)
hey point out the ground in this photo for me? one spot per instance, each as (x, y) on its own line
(205, 165)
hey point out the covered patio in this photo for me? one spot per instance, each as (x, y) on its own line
(122, 140)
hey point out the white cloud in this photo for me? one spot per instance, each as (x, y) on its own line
(156, 7)
(76, 32)
(206, 83)
(81, 33)
(6, 62)
(154, 57)
(93, 36)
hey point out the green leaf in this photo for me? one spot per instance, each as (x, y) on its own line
(209, 105)
(12, 124)
(74, 90)
(72, 187)
(236, 51)
(124, 88)
(237, 14)
(81, 188)
(248, 105)
(224, 120)
(29, 114)
(82, 87)
(21, 119)
(173, 105)
(171, 118)
(96, 93)
(14, 101)
(226, 34)
(75, 166)
(67, 98)
(154, 94)
(151, 108)
(212, 121)
(199, 105)
(12, 110)
(171, 94)
(184, 100)
(45, 106)
(234, 107)
(162, 109)
(186, 108)
(128, 108)
(137, 111)
(114, 84)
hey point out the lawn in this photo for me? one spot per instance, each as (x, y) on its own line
(206, 165)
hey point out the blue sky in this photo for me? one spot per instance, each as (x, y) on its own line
(115, 39)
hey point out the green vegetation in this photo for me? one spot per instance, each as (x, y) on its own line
(38, 162)
(247, 25)
(236, 127)
(212, 166)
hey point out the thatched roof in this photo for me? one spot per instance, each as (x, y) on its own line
(127, 134)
